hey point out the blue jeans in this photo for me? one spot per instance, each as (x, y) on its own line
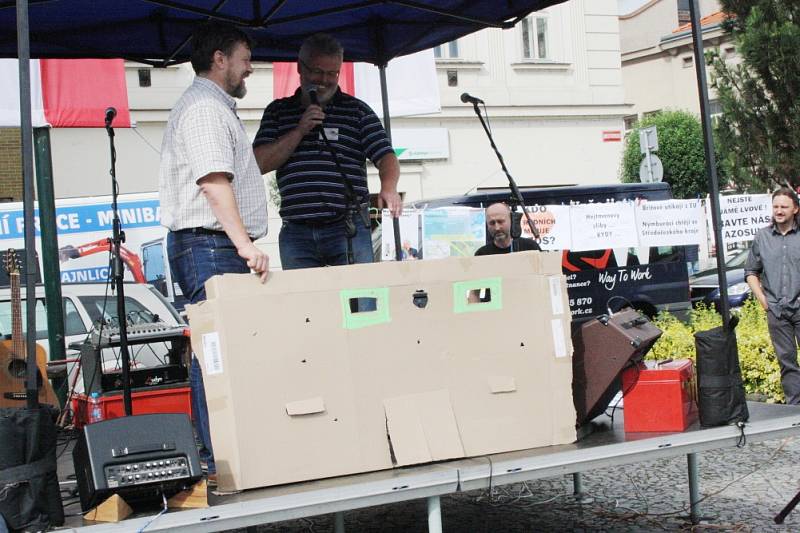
(305, 246)
(193, 258)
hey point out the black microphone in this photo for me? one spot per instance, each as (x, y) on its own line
(111, 112)
(516, 224)
(468, 99)
(312, 95)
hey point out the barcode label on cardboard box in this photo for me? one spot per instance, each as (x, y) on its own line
(213, 353)
(559, 346)
(555, 295)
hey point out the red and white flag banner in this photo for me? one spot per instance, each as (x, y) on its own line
(66, 93)
(411, 84)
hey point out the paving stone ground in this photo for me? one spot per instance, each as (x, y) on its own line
(743, 489)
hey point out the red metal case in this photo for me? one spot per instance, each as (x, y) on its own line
(659, 397)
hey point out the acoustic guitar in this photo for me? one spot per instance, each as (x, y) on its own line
(13, 364)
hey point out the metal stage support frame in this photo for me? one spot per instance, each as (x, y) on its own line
(337, 495)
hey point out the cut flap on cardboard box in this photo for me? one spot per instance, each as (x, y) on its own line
(305, 407)
(498, 384)
(422, 428)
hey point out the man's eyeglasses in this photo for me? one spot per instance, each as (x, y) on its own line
(319, 72)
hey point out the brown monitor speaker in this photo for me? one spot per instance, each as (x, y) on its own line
(604, 346)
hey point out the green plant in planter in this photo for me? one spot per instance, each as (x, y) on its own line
(760, 371)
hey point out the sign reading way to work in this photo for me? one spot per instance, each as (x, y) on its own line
(743, 215)
(669, 223)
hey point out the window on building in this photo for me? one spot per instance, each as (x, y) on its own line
(688, 61)
(144, 77)
(684, 15)
(446, 51)
(650, 113)
(535, 39)
(630, 122)
(714, 108)
(452, 78)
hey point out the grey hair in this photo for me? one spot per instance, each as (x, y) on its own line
(320, 44)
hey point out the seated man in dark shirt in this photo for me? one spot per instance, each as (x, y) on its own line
(498, 223)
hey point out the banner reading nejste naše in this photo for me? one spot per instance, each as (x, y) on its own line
(742, 216)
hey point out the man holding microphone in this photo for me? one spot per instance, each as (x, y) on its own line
(316, 176)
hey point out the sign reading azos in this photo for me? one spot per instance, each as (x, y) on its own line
(743, 215)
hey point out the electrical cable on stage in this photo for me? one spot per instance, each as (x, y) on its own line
(163, 510)
(633, 384)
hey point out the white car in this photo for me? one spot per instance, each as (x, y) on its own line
(83, 306)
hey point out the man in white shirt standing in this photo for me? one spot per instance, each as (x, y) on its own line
(212, 195)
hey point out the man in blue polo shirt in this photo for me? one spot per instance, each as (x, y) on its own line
(312, 187)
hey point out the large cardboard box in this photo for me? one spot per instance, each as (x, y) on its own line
(300, 386)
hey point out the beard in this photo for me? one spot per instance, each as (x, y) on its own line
(235, 88)
(500, 235)
(324, 93)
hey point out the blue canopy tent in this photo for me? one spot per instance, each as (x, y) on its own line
(157, 32)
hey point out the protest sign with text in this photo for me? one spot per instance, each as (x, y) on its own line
(552, 222)
(669, 223)
(743, 215)
(601, 226)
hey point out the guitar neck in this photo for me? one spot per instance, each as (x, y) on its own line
(18, 344)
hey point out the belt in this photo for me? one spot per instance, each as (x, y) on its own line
(202, 231)
(317, 222)
(326, 221)
(205, 231)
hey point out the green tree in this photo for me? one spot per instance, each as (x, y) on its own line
(680, 148)
(759, 129)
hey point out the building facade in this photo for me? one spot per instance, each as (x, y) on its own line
(656, 44)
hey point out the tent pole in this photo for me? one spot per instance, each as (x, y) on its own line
(387, 121)
(711, 164)
(50, 264)
(387, 125)
(31, 266)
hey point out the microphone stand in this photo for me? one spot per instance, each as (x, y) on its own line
(118, 272)
(352, 206)
(516, 195)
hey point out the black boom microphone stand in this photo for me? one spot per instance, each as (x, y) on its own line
(516, 195)
(117, 269)
(352, 204)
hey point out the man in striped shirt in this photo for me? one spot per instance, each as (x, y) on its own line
(310, 178)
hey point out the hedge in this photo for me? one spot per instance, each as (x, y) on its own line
(760, 371)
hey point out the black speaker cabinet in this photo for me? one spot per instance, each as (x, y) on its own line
(137, 457)
(604, 346)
